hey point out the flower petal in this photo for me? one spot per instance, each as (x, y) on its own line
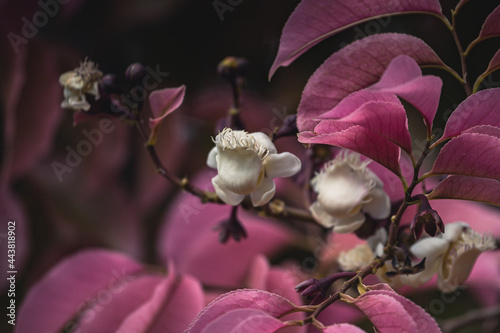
(380, 205)
(282, 165)
(226, 195)
(264, 140)
(239, 170)
(321, 216)
(212, 158)
(349, 224)
(264, 193)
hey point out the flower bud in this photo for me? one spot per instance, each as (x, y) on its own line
(426, 218)
(135, 74)
(109, 84)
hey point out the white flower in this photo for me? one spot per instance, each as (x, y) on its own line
(452, 255)
(346, 190)
(78, 82)
(363, 254)
(246, 164)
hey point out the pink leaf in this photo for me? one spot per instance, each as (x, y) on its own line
(343, 328)
(355, 100)
(391, 312)
(491, 26)
(247, 299)
(67, 287)
(470, 154)
(162, 103)
(481, 108)
(361, 140)
(403, 77)
(173, 305)
(356, 66)
(494, 63)
(492, 66)
(468, 188)
(385, 118)
(243, 320)
(331, 17)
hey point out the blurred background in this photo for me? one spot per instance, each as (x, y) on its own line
(113, 198)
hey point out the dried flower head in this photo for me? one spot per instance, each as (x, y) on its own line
(78, 82)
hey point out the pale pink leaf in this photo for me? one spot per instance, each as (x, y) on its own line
(481, 108)
(114, 305)
(68, 286)
(361, 140)
(173, 305)
(243, 320)
(246, 299)
(468, 188)
(162, 103)
(494, 63)
(355, 67)
(391, 312)
(470, 154)
(385, 118)
(333, 16)
(343, 328)
(403, 77)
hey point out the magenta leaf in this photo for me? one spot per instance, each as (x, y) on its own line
(468, 188)
(471, 154)
(355, 67)
(403, 77)
(245, 299)
(243, 320)
(70, 285)
(492, 66)
(355, 100)
(391, 312)
(333, 16)
(343, 328)
(162, 103)
(361, 140)
(490, 28)
(481, 108)
(385, 118)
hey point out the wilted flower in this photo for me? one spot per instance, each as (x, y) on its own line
(363, 254)
(246, 164)
(451, 254)
(346, 190)
(78, 82)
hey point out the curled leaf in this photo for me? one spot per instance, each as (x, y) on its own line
(355, 67)
(162, 103)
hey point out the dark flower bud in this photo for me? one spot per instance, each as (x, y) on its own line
(109, 84)
(319, 288)
(232, 68)
(426, 218)
(135, 74)
(231, 228)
